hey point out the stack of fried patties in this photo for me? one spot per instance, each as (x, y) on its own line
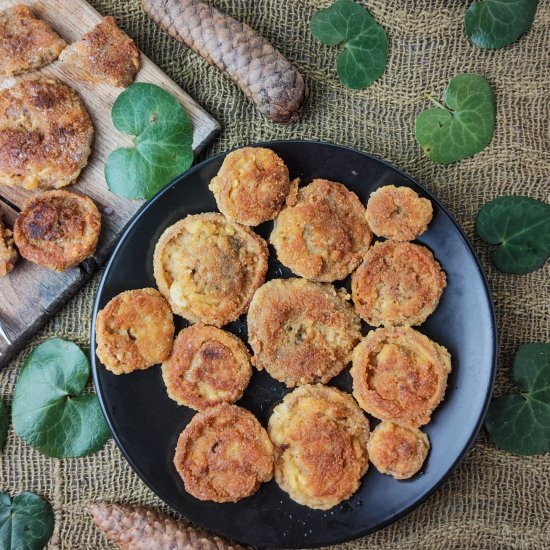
(210, 269)
(46, 134)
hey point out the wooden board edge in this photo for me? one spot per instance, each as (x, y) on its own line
(23, 338)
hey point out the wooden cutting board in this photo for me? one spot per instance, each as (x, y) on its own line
(30, 294)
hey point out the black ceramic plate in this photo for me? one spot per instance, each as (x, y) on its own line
(146, 423)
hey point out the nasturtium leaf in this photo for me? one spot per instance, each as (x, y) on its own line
(26, 522)
(4, 423)
(364, 42)
(520, 226)
(51, 411)
(497, 23)
(464, 127)
(520, 423)
(163, 137)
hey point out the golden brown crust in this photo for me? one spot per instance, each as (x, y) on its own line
(208, 268)
(300, 331)
(251, 185)
(207, 366)
(58, 229)
(45, 134)
(134, 331)
(224, 454)
(105, 53)
(398, 283)
(8, 254)
(26, 43)
(396, 450)
(398, 213)
(324, 235)
(320, 439)
(400, 375)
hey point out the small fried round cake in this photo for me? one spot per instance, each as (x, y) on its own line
(400, 375)
(207, 366)
(300, 331)
(251, 185)
(105, 53)
(58, 229)
(26, 43)
(396, 450)
(398, 283)
(208, 268)
(320, 438)
(324, 236)
(224, 454)
(45, 134)
(134, 331)
(398, 213)
(8, 254)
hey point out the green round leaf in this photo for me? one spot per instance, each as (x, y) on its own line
(520, 226)
(50, 411)
(26, 523)
(520, 423)
(4, 423)
(497, 23)
(163, 142)
(464, 127)
(364, 42)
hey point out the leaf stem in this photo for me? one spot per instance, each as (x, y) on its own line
(435, 102)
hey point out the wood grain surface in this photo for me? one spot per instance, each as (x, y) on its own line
(30, 294)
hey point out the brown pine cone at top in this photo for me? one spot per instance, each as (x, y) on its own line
(276, 88)
(137, 528)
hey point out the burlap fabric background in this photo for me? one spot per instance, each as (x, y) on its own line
(494, 500)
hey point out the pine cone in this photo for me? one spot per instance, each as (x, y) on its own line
(263, 74)
(137, 528)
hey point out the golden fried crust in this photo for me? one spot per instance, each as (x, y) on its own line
(301, 332)
(45, 134)
(398, 213)
(251, 185)
(400, 375)
(397, 284)
(105, 53)
(224, 454)
(207, 366)
(208, 268)
(320, 439)
(396, 450)
(8, 254)
(324, 236)
(58, 229)
(26, 43)
(134, 331)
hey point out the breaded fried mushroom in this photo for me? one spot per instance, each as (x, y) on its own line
(398, 283)
(251, 185)
(58, 229)
(324, 236)
(396, 450)
(8, 254)
(224, 454)
(208, 268)
(134, 331)
(105, 53)
(400, 375)
(26, 42)
(301, 332)
(45, 134)
(207, 366)
(398, 213)
(320, 438)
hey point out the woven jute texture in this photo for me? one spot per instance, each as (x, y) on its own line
(493, 500)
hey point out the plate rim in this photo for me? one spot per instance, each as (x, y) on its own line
(495, 336)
